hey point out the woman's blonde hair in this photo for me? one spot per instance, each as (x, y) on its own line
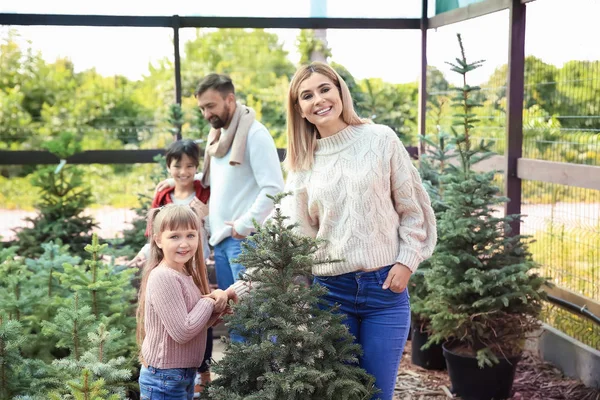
(170, 217)
(301, 134)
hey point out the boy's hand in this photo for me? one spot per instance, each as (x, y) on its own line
(138, 260)
(199, 207)
(162, 185)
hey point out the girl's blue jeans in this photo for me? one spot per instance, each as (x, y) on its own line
(379, 320)
(167, 384)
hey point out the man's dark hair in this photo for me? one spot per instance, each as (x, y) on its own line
(218, 82)
(177, 149)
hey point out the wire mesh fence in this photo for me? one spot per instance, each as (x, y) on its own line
(580, 328)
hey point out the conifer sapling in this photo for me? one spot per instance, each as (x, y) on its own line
(296, 347)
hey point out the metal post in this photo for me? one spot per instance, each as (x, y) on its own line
(423, 78)
(514, 122)
(177, 65)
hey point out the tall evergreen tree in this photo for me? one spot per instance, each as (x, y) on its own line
(484, 291)
(296, 347)
(62, 202)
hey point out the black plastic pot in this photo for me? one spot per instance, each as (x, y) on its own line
(431, 358)
(473, 383)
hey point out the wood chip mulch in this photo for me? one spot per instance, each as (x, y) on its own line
(534, 380)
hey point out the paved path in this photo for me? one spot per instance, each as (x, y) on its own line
(112, 221)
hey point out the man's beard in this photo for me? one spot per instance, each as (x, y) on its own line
(219, 121)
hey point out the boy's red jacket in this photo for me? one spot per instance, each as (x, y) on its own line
(163, 197)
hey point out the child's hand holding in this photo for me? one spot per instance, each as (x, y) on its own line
(221, 298)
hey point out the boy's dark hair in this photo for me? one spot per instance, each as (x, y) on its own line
(180, 147)
(218, 82)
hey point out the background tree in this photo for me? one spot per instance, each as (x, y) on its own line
(61, 205)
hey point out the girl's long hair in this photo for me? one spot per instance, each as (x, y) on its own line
(301, 134)
(170, 217)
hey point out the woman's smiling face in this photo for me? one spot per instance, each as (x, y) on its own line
(320, 103)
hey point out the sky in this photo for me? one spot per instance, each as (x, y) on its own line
(557, 31)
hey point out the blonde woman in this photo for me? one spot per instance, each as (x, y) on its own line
(353, 185)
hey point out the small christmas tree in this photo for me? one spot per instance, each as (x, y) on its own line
(63, 199)
(296, 347)
(106, 290)
(99, 363)
(483, 289)
(46, 267)
(71, 326)
(85, 388)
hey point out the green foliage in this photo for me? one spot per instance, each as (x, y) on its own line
(70, 326)
(175, 119)
(308, 43)
(14, 372)
(296, 348)
(391, 105)
(15, 299)
(85, 388)
(100, 364)
(484, 291)
(44, 293)
(433, 165)
(107, 291)
(89, 325)
(58, 337)
(61, 205)
(135, 237)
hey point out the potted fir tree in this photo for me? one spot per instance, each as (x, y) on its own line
(483, 291)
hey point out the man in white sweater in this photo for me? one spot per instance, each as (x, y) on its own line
(241, 167)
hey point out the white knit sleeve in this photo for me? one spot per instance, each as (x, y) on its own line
(295, 206)
(417, 231)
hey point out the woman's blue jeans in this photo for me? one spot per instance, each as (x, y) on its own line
(379, 320)
(167, 384)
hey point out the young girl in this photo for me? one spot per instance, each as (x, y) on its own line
(175, 306)
(354, 185)
(182, 159)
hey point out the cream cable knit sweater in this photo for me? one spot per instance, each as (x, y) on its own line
(365, 198)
